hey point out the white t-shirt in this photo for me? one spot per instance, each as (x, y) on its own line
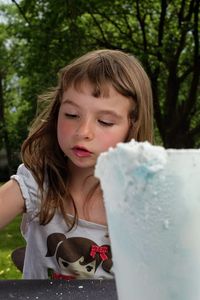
(52, 251)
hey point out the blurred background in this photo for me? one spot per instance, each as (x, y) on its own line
(38, 37)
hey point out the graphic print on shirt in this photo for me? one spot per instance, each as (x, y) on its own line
(77, 257)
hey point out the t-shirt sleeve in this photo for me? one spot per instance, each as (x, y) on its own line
(29, 189)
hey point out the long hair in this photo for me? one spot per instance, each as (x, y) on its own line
(41, 152)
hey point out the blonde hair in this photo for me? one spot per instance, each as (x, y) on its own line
(41, 152)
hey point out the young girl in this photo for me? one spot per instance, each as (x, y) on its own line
(102, 98)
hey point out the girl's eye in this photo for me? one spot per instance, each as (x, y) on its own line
(89, 268)
(106, 123)
(71, 116)
(65, 264)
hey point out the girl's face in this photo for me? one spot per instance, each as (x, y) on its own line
(88, 126)
(76, 268)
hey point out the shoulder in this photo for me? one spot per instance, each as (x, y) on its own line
(28, 186)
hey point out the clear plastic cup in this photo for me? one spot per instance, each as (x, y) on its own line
(152, 200)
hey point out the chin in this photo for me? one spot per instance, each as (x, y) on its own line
(83, 165)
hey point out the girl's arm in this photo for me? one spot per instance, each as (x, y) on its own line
(11, 202)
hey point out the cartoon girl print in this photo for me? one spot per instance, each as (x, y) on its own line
(78, 257)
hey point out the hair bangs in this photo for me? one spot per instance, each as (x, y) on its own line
(100, 71)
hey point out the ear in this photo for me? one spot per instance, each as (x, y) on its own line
(52, 241)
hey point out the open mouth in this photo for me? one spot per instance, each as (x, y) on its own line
(81, 152)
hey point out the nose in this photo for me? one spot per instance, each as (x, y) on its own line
(85, 129)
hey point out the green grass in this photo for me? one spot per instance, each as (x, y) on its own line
(10, 238)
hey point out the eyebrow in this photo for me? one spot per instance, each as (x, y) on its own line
(106, 112)
(67, 101)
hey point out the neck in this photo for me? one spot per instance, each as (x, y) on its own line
(82, 182)
(81, 179)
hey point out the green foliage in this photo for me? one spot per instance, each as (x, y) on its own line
(40, 37)
(10, 239)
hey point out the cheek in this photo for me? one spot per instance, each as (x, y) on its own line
(64, 131)
(112, 139)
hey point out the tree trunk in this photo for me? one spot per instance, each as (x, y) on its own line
(3, 128)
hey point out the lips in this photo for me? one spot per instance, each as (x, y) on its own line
(81, 151)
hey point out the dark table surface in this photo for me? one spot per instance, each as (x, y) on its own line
(58, 290)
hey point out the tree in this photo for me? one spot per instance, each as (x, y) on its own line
(13, 128)
(164, 35)
(4, 141)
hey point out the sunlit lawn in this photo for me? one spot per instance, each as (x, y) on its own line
(10, 238)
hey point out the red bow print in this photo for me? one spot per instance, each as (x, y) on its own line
(102, 250)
